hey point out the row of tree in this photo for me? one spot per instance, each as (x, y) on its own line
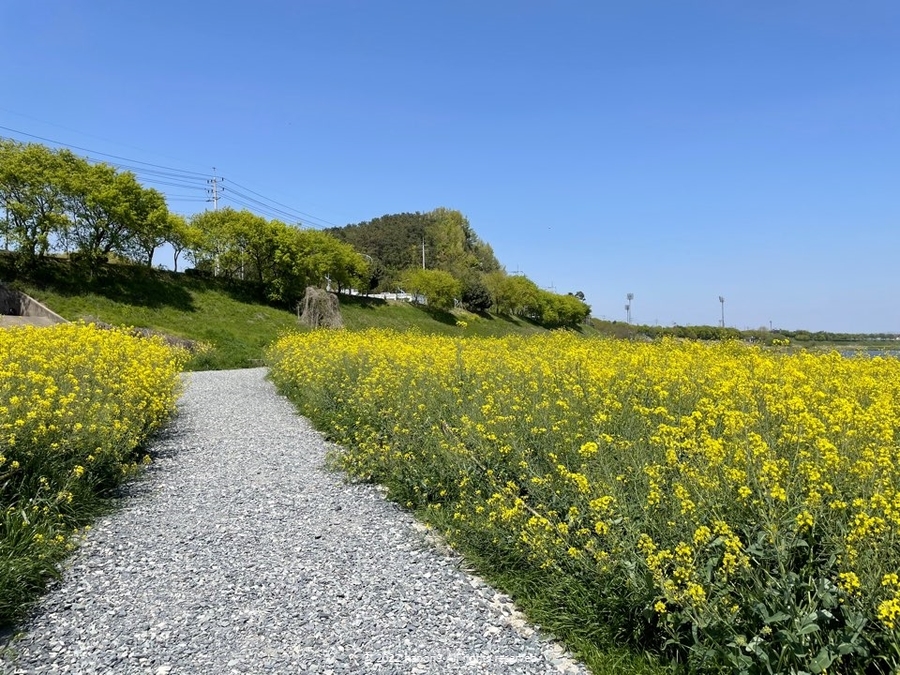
(53, 201)
(828, 336)
(762, 335)
(282, 259)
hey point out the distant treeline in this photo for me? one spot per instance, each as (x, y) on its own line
(761, 335)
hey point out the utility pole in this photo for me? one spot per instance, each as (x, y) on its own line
(213, 190)
(423, 253)
(722, 302)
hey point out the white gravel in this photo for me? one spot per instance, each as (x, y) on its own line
(238, 553)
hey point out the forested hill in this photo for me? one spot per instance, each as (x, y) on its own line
(458, 267)
(394, 243)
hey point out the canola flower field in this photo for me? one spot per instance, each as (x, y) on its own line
(76, 405)
(726, 507)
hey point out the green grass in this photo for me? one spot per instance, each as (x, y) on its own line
(232, 317)
(360, 313)
(237, 330)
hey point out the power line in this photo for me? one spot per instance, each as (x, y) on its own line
(305, 215)
(159, 174)
(213, 190)
(76, 131)
(293, 215)
(241, 201)
(153, 172)
(95, 152)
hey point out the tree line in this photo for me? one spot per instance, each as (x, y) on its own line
(439, 256)
(282, 259)
(53, 201)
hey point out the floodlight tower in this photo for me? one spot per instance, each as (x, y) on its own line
(722, 302)
(629, 297)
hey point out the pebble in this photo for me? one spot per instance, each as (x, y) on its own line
(238, 552)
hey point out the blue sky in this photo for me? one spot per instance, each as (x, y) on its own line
(677, 151)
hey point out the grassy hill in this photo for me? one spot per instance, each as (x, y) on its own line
(230, 317)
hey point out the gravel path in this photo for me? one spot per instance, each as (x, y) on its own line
(239, 553)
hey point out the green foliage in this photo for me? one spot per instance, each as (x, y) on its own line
(475, 295)
(234, 244)
(439, 288)
(55, 200)
(313, 258)
(393, 244)
(514, 294)
(32, 194)
(561, 310)
(283, 260)
(182, 237)
(108, 209)
(395, 241)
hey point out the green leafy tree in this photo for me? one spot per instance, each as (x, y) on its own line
(212, 241)
(252, 241)
(475, 294)
(438, 287)
(447, 234)
(107, 208)
(150, 228)
(306, 257)
(561, 310)
(573, 311)
(181, 236)
(32, 196)
(456, 247)
(516, 294)
(394, 241)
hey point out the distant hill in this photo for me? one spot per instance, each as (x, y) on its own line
(394, 243)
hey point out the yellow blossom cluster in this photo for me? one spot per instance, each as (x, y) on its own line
(687, 477)
(77, 390)
(76, 403)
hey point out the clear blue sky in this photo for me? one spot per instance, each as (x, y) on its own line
(675, 150)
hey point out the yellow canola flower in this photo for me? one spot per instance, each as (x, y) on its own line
(888, 612)
(76, 390)
(676, 458)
